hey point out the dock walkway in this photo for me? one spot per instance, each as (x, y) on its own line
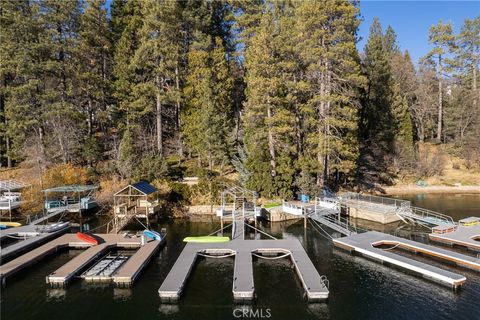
(131, 269)
(466, 236)
(243, 284)
(128, 272)
(365, 244)
(65, 273)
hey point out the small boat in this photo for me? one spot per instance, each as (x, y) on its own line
(53, 227)
(3, 227)
(206, 239)
(152, 234)
(86, 238)
(10, 224)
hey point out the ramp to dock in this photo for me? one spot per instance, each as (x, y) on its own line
(365, 245)
(243, 284)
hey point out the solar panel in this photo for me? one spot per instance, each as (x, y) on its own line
(144, 187)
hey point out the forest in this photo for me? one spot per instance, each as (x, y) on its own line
(274, 95)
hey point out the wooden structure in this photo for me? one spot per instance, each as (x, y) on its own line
(10, 199)
(70, 198)
(138, 200)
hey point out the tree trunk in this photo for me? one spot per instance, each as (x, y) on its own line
(440, 100)
(271, 146)
(326, 170)
(474, 85)
(159, 123)
(321, 134)
(90, 117)
(7, 145)
(177, 113)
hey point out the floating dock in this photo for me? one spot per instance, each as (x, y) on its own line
(34, 235)
(127, 273)
(243, 284)
(366, 243)
(465, 236)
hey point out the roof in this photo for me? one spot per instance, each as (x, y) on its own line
(71, 188)
(8, 185)
(144, 187)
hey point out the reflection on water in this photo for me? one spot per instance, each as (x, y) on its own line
(359, 288)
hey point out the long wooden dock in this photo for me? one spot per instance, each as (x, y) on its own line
(465, 236)
(366, 244)
(243, 284)
(129, 271)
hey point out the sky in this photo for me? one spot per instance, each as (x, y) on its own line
(411, 20)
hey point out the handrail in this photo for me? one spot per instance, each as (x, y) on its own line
(375, 199)
(426, 215)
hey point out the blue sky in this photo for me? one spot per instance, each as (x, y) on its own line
(412, 19)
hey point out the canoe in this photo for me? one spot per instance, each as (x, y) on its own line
(206, 239)
(152, 234)
(3, 227)
(10, 224)
(86, 238)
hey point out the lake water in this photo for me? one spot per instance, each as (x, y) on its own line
(359, 288)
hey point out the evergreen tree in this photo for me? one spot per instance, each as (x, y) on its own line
(93, 69)
(207, 118)
(20, 115)
(442, 38)
(155, 61)
(326, 43)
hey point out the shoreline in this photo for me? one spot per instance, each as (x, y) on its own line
(414, 189)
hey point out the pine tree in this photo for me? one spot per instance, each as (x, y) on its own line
(93, 54)
(442, 38)
(19, 112)
(326, 43)
(403, 74)
(265, 112)
(207, 118)
(129, 17)
(155, 61)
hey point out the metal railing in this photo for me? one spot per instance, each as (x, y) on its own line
(427, 216)
(375, 199)
(291, 208)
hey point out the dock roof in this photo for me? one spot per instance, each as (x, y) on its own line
(143, 187)
(71, 188)
(8, 185)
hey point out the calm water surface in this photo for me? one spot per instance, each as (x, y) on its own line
(359, 288)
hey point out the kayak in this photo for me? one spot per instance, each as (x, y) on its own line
(206, 239)
(3, 227)
(10, 224)
(86, 238)
(152, 234)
